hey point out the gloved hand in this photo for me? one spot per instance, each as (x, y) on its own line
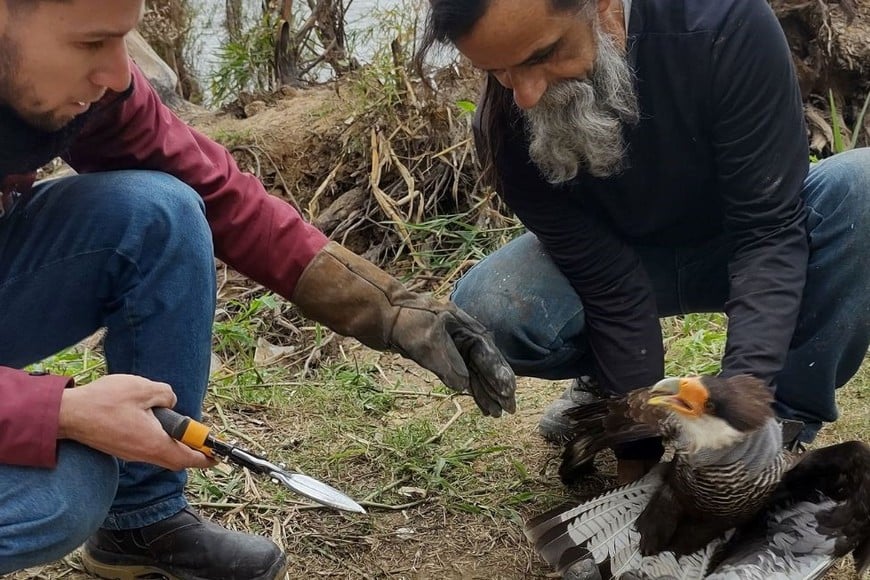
(355, 298)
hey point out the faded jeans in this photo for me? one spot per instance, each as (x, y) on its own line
(538, 319)
(130, 251)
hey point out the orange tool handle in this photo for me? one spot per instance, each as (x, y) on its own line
(182, 428)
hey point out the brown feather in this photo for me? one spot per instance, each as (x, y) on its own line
(742, 400)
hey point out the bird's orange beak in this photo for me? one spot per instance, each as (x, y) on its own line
(687, 395)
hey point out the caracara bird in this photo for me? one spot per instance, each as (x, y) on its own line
(720, 505)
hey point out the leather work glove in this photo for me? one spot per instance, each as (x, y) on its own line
(355, 298)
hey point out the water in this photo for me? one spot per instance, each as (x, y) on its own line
(370, 26)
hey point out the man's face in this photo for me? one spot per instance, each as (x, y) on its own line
(57, 58)
(568, 72)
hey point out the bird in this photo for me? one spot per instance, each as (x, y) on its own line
(728, 460)
(819, 513)
(731, 504)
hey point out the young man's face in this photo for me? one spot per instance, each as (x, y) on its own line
(57, 58)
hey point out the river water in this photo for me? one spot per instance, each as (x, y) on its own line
(370, 26)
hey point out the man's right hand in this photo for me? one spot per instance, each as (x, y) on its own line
(113, 415)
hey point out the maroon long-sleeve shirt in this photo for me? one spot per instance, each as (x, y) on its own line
(257, 234)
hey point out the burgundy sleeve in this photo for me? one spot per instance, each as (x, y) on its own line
(260, 235)
(29, 409)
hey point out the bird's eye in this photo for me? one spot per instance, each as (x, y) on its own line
(709, 406)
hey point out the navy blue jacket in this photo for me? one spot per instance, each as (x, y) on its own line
(721, 149)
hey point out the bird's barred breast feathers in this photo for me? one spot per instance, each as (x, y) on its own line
(729, 490)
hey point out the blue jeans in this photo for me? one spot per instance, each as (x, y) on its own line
(539, 323)
(130, 251)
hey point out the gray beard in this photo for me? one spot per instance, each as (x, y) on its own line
(577, 125)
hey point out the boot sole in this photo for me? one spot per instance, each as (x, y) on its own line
(134, 571)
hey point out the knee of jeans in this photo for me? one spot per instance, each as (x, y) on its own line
(846, 188)
(524, 326)
(146, 205)
(172, 209)
(75, 500)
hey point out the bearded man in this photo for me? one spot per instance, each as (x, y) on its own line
(129, 244)
(657, 153)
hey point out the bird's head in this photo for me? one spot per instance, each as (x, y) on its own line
(713, 412)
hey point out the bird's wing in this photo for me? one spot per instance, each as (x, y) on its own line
(842, 473)
(820, 513)
(672, 567)
(789, 547)
(603, 424)
(601, 528)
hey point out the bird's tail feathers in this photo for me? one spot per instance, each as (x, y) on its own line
(601, 528)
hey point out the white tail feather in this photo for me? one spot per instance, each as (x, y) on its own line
(603, 525)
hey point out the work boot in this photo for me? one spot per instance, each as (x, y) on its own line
(554, 426)
(183, 547)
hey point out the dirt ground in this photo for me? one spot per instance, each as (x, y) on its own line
(422, 542)
(426, 541)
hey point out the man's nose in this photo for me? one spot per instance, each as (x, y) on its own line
(528, 87)
(113, 70)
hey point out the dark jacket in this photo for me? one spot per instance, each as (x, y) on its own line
(721, 149)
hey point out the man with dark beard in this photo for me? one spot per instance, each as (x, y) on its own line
(129, 244)
(657, 153)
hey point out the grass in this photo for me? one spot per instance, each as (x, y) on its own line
(447, 490)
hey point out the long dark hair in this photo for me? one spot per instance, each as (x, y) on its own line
(446, 22)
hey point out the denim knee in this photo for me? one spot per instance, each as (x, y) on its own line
(535, 316)
(171, 213)
(162, 225)
(838, 190)
(48, 513)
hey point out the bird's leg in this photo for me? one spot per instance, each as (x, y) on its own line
(630, 470)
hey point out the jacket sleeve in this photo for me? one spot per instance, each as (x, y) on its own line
(762, 158)
(622, 324)
(258, 234)
(29, 409)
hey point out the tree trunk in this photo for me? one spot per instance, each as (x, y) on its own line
(830, 44)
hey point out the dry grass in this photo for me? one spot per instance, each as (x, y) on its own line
(447, 490)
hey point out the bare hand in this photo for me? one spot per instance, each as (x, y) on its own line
(113, 415)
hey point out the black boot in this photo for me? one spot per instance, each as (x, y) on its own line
(183, 547)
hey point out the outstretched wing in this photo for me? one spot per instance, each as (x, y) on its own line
(606, 423)
(820, 513)
(603, 531)
(790, 546)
